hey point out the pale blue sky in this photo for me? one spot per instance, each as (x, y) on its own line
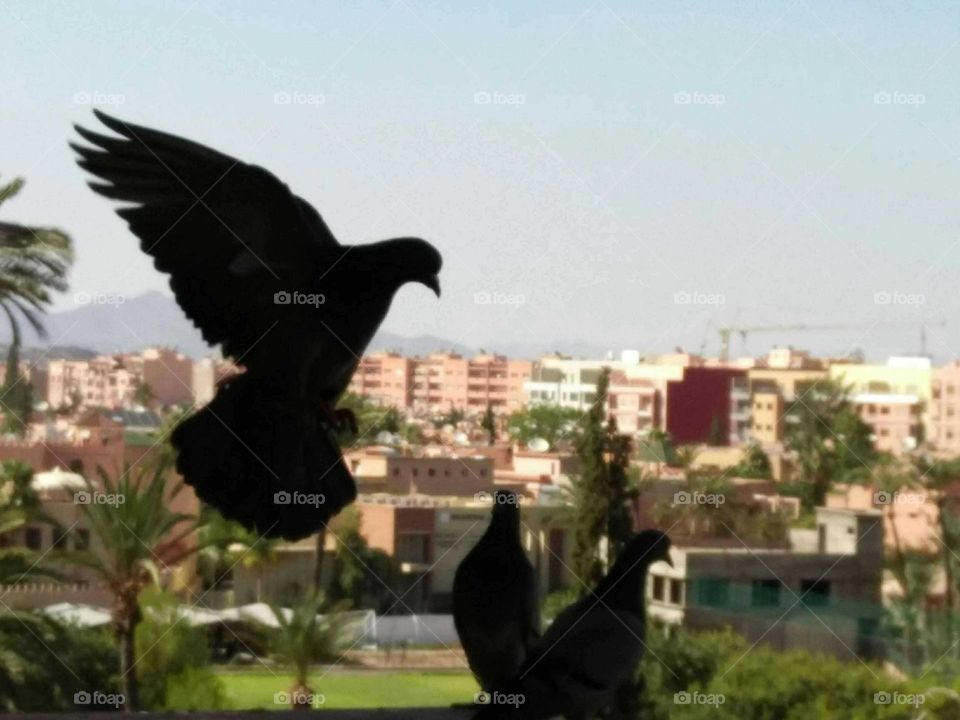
(597, 199)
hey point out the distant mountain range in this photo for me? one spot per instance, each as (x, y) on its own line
(155, 319)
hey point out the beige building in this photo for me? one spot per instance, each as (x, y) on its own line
(896, 421)
(943, 430)
(442, 382)
(837, 569)
(111, 381)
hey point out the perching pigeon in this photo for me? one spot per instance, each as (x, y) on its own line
(495, 607)
(591, 648)
(257, 270)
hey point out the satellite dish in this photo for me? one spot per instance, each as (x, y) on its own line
(538, 445)
(385, 437)
(461, 438)
(396, 439)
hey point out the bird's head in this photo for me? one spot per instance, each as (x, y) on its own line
(412, 260)
(505, 514)
(645, 548)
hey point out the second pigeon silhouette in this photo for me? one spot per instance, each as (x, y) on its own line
(495, 604)
(593, 645)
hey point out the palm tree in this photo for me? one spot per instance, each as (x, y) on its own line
(304, 637)
(33, 262)
(135, 534)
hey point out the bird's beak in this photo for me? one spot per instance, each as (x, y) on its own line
(433, 282)
(667, 559)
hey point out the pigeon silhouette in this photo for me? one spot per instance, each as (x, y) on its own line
(495, 605)
(258, 271)
(591, 647)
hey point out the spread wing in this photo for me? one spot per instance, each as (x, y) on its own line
(229, 234)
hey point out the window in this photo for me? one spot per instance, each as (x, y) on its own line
(81, 539)
(676, 592)
(658, 583)
(765, 593)
(60, 540)
(431, 472)
(713, 592)
(815, 593)
(34, 538)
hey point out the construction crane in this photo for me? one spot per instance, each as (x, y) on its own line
(725, 331)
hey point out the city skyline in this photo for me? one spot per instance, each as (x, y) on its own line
(610, 176)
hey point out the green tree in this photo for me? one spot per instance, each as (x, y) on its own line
(489, 424)
(553, 423)
(829, 438)
(302, 638)
(16, 395)
(362, 576)
(175, 658)
(143, 393)
(754, 464)
(134, 532)
(591, 490)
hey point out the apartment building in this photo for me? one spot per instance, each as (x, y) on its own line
(428, 537)
(443, 381)
(786, 375)
(836, 568)
(675, 393)
(111, 381)
(943, 431)
(895, 420)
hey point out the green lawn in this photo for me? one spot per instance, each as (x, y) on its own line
(253, 689)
